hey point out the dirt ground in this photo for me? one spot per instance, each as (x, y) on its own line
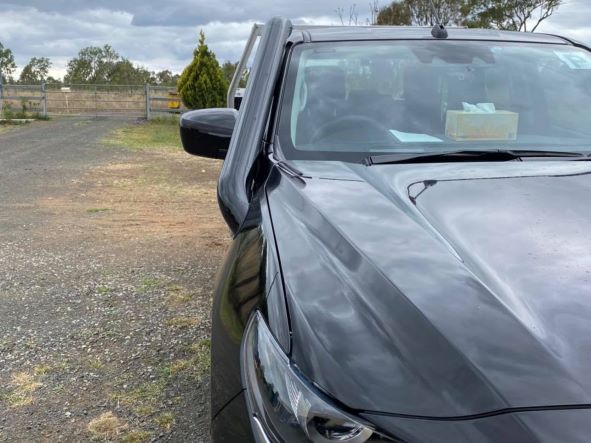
(107, 261)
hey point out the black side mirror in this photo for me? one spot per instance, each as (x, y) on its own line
(207, 132)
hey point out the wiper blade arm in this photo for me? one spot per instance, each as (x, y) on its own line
(459, 156)
(542, 153)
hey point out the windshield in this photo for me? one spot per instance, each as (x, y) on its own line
(348, 100)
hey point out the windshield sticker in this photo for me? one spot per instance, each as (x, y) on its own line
(574, 59)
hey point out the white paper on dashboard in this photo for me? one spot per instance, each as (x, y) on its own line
(410, 137)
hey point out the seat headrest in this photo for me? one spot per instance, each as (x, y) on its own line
(326, 81)
(419, 81)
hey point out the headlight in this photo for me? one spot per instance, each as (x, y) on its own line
(287, 407)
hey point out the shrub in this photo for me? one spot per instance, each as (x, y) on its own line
(7, 111)
(202, 83)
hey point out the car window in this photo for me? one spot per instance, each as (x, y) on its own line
(347, 99)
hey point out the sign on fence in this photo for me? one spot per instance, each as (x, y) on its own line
(99, 100)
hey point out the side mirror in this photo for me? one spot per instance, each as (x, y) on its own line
(207, 132)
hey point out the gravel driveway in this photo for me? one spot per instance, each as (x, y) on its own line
(107, 260)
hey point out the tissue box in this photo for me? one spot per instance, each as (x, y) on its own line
(498, 125)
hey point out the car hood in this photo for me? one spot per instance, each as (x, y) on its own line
(439, 290)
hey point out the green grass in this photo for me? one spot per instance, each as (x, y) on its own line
(196, 365)
(103, 289)
(158, 134)
(143, 400)
(150, 283)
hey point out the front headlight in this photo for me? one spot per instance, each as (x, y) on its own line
(289, 408)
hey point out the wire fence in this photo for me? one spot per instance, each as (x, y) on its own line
(98, 100)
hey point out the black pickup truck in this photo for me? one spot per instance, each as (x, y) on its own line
(411, 213)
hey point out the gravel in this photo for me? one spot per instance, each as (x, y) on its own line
(107, 259)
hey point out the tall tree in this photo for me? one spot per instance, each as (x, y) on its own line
(397, 13)
(35, 72)
(229, 68)
(423, 12)
(55, 81)
(93, 65)
(512, 15)
(123, 72)
(7, 64)
(202, 83)
(166, 78)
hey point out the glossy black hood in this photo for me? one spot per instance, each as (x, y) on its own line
(439, 290)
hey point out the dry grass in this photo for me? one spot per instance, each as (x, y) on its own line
(145, 201)
(137, 437)
(178, 296)
(22, 387)
(161, 134)
(143, 400)
(182, 322)
(106, 426)
(165, 420)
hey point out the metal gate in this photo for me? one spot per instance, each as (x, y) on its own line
(89, 100)
(19, 101)
(97, 100)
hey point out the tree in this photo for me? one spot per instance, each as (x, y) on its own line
(512, 15)
(397, 13)
(166, 78)
(7, 64)
(202, 83)
(124, 72)
(51, 80)
(35, 72)
(423, 12)
(93, 65)
(229, 68)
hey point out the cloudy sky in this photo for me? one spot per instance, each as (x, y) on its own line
(161, 34)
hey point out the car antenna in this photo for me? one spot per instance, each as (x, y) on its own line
(439, 31)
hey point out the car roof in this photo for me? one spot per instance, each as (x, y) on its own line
(348, 33)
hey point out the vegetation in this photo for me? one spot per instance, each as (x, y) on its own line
(11, 116)
(154, 134)
(22, 387)
(513, 15)
(229, 68)
(205, 82)
(35, 72)
(93, 65)
(104, 65)
(106, 426)
(7, 64)
(202, 84)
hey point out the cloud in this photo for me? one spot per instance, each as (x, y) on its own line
(190, 13)
(571, 20)
(162, 34)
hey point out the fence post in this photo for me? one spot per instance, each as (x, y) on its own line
(44, 92)
(147, 94)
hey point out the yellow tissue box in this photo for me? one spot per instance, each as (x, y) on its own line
(498, 125)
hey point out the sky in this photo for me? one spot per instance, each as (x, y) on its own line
(161, 34)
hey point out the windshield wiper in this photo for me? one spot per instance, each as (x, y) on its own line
(492, 155)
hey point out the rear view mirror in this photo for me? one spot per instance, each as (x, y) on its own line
(207, 132)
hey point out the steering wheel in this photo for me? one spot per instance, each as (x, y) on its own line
(352, 128)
